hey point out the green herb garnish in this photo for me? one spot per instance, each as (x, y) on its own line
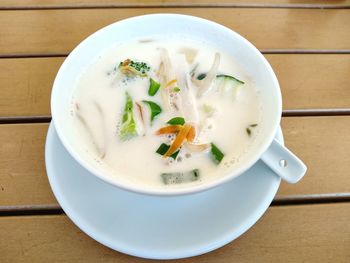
(180, 177)
(163, 148)
(155, 108)
(216, 153)
(176, 121)
(153, 87)
(128, 125)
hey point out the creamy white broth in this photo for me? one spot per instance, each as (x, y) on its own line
(99, 101)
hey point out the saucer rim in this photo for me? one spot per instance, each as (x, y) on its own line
(89, 230)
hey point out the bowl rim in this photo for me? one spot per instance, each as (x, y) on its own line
(166, 191)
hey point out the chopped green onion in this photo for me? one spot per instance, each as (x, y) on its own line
(201, 76)
(153, 87)
(249, 131)
(216, 153)
(176, 121)
(155, 108)
(128, 125)
(208, 109)
(180, 177)
(140, 66)
(176, 89)
(163, 148)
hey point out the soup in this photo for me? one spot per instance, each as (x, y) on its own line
(165, 112)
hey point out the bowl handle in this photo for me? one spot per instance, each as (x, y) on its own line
(284, 163)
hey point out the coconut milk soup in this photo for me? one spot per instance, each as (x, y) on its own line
(165, 113)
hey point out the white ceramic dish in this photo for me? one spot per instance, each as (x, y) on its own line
(158, 227)
(250, 60)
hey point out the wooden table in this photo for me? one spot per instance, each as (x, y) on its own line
(308, 45)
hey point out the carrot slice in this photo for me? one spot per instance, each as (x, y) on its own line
(179, 140)
(169, 129)
(191, 134)
(171, 82)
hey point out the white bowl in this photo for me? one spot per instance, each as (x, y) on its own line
(249, 57)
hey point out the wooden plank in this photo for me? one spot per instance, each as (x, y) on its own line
(22, 169)
(311, 233)
(322, 142)
(307, 82)
(313, 81)
(26, 85)
(58, 31)
(121, 3)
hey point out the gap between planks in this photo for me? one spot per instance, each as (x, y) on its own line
(178, 5)
(24, 119)
(315, 112)
(263, 51)
(30, 210)
(285, 113)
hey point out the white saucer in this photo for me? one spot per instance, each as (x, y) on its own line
(158, 227)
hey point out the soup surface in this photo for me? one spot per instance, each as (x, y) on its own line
(165, 112)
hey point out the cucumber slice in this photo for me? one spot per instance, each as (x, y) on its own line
(230, 78)
(180, 177)
(228, 83)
